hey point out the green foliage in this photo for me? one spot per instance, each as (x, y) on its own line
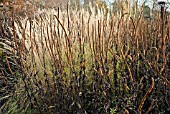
(0, 53)
(112, 111)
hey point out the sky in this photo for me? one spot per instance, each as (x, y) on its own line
(110, 1)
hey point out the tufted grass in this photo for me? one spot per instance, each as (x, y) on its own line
(86, 61)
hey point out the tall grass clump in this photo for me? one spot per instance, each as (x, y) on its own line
(84, 60)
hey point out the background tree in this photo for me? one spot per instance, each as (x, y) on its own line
(74, 4)
(56, 3)
(101, 5)
(89, 1)
(122, 6)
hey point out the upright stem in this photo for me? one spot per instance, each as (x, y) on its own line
(162, 19)
(162, 32)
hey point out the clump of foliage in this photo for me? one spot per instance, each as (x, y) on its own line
(81, 61)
